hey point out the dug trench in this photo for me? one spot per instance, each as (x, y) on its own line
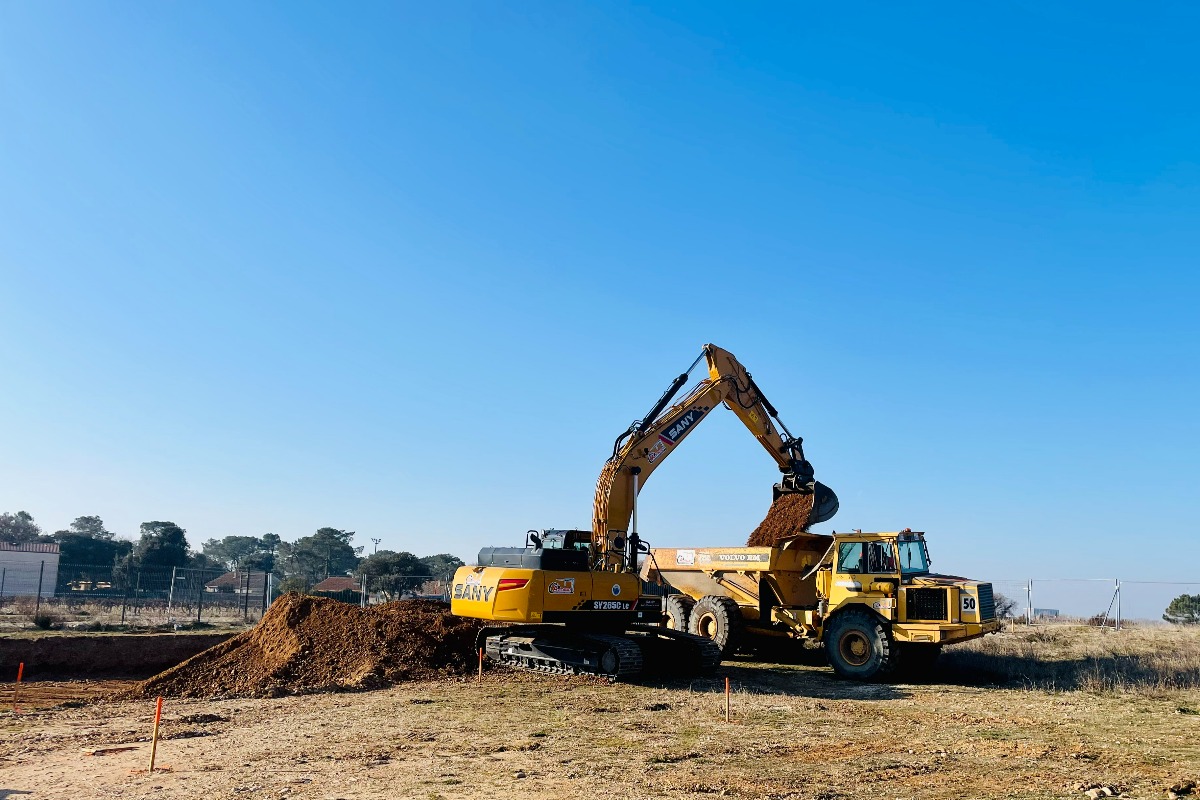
(63, 656)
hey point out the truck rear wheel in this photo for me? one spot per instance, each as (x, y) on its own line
(719, 619)
(859, 646)
(679, 608)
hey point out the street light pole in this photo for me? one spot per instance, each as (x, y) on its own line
(376, 541)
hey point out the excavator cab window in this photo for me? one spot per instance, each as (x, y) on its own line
(566, 540)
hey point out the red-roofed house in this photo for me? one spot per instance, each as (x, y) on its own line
(235, 583)
(337, 584)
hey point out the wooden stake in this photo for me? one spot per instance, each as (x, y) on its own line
(480, 679)
(727, 700)
(17, 688)
(154, 736)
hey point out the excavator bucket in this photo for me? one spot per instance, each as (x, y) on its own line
(825, 502)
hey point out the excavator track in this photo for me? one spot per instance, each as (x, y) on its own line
(554, 650)
(671, 648)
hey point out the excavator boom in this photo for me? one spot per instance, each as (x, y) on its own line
(647, 442)
(571, 601)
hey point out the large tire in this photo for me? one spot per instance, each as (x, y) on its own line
(719, 619)
(679, 609)
(859, 646)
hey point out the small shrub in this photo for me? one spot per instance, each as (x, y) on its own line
(1184, 610)
(193, 626)
(102, 627)
(46, 621)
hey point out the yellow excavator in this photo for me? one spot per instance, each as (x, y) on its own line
(572, 600)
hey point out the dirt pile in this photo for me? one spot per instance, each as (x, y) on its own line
(306, 644)
(787, 516)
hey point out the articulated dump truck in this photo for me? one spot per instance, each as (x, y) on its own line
(869, 597)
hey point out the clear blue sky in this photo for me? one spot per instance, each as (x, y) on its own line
(408, 269)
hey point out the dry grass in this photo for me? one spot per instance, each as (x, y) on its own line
(223, 611)
(798, 732)
(1081, 657)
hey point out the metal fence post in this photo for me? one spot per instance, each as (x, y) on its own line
(1118, 581)
(37, 608)
(264, 599)
(3, 575)
(199, 601)
(246, 600)
(171, 594)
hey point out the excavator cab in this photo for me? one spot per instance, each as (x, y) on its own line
(554, 539)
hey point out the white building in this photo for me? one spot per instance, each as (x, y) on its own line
(21, 564)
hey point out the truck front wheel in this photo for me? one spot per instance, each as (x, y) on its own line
(679, 608)
(859, 646)
(719, 619)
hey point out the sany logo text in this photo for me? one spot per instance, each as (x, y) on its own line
(465, 592)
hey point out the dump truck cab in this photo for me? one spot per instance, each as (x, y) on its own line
(869, 597)
(868, 567)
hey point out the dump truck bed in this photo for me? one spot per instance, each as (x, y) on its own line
(737, 572)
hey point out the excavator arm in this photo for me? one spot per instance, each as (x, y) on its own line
(647, 442)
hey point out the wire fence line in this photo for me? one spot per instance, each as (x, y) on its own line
(48, 594)
(45, 594)
(1103, 601)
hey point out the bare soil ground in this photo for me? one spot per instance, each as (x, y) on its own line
(797, 732)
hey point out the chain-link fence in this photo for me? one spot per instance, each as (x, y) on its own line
(370, 590)
(46, 594)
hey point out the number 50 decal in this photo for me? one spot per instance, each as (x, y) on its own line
(968, 603)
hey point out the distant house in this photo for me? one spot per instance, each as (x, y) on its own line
(235, 583)
(337, 585)
(22, 565)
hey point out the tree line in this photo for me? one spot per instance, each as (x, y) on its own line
(297, 565)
